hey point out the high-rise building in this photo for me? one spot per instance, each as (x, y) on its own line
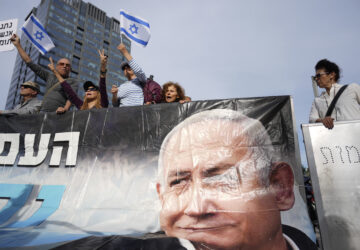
(78, 29)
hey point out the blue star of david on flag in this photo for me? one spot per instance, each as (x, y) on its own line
(37, 35)
(134, 28)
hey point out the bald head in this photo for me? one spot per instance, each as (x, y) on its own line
(215, 133)
(63, 66)
(215, 176)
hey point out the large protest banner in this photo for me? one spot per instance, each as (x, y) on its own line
(66, 177)
(7, 29)
(334, 162)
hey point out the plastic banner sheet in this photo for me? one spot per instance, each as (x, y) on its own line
(334, 162)
(207, 174)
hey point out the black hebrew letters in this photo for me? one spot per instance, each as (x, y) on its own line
(348, 154)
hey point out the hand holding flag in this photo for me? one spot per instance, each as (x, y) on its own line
(134, 28)
(37, 34)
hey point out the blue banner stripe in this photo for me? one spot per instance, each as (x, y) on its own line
(33, 41)
(39, 25)
(134, 19)
(134, 38)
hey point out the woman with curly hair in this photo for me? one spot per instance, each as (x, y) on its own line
(173, 92)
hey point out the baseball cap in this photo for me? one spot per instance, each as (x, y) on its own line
(89, 84)
(124, 64)
(32, 85)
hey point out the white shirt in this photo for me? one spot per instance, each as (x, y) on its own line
(130, 93)
(347, 107)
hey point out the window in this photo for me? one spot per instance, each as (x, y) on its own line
(44, 62)
(83, 9)
(81, 22)
(79, 33)
(75, 63)
(73, 74)
(78, 47)
(106, 47)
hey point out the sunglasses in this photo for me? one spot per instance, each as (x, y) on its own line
(27, 87)
(91, 89)
(317, 76)
(64, 64)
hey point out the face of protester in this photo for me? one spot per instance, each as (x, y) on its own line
(171, 94)
(324, 79)
(63, 66)
(91, 93)
(129, 73)
(27, 91)
(208, 199)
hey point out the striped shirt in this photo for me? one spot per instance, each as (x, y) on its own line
(130, 93)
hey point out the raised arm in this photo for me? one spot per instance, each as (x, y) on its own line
(38, 70)
(16, 41)
(134, 66)
(102, 82)
(68, 90)
(121, 47)
(52, 68)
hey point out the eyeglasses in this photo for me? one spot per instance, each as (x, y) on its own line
(91, 89)
(64, 64)
(317, 76)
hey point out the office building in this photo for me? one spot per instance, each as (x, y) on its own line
(78, 29)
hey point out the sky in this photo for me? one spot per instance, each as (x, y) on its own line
(233, 48)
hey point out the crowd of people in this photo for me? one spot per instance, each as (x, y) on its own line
(337, 103)
(61, 90)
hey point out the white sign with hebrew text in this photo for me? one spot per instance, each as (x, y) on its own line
(334, 161)
(7, 29)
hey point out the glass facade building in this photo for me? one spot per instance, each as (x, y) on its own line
(78, 29)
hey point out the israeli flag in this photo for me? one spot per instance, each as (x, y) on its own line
(36, 33)
(134, 28)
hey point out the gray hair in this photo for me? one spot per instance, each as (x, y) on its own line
(260, 149)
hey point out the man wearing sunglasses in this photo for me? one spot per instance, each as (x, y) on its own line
(29, 103)
(55, 99)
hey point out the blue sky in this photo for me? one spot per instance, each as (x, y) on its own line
(233, 48)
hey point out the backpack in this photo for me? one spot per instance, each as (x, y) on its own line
(152, 92)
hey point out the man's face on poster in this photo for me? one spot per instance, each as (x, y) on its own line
(211, 194)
